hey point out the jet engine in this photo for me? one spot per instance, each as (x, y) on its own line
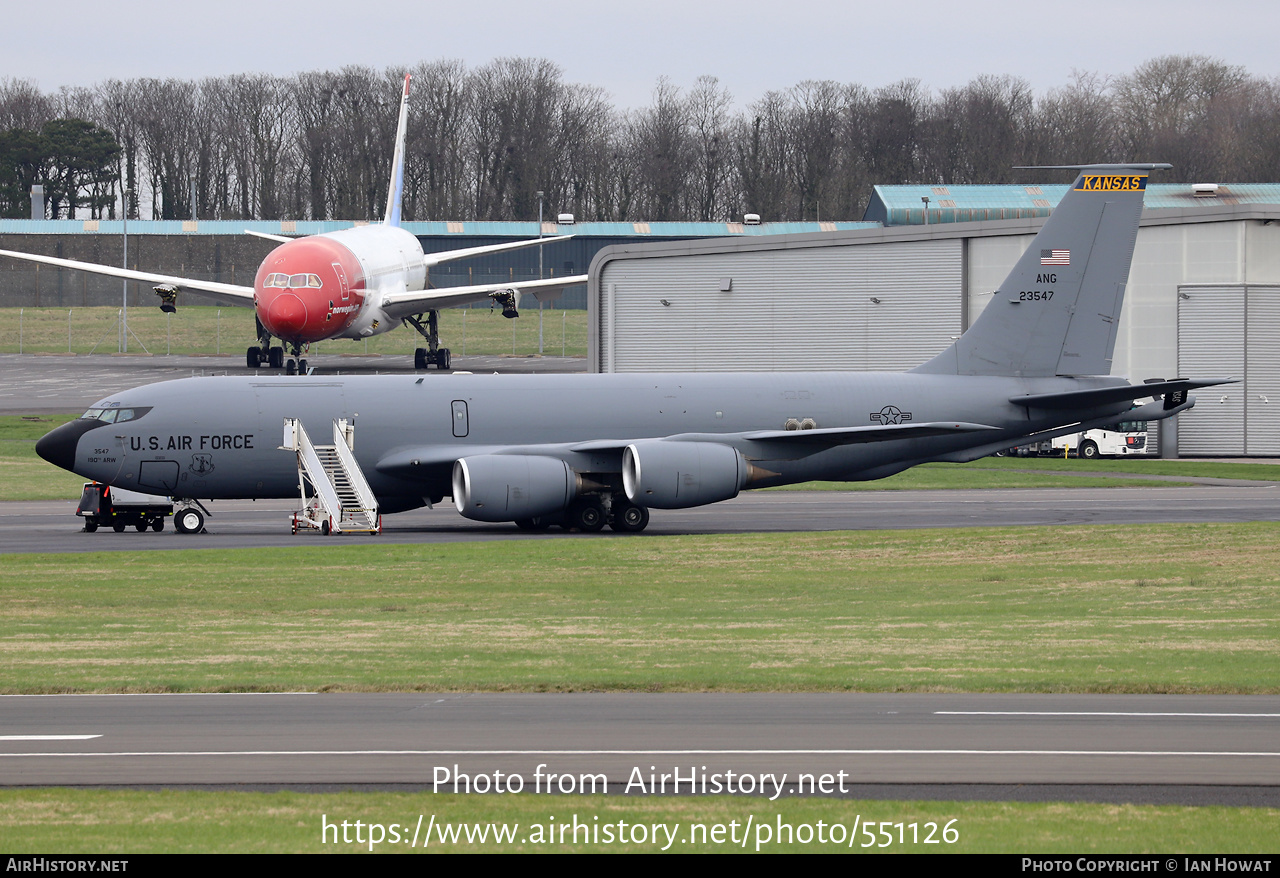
(511, 487)
(666, 474)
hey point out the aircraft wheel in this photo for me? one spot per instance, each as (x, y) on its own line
(117, 526)
(253, 358)
(442, 359)
(629, 518)
(587, 516)
(275, 357)
(1088, 451)
(291, 368)
(420, 358)
(90, 525)
(302, 367)
(189, 521)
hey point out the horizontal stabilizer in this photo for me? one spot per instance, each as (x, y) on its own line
(1077, 399)
(828, 437)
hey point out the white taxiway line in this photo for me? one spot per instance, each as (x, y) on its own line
(47, 737)
(1096, 713)
(921, 752)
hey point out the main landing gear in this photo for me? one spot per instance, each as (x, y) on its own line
(590, 514)
(432, 354)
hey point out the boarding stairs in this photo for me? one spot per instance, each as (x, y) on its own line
(335, 496)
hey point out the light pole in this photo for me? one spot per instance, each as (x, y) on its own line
(539, 271)
(124, 297)
(925, 199)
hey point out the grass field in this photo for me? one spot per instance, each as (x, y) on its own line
(1175, 608)
(108, 822)
(208, 330)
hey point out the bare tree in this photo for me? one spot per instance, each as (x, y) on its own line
(23, 106)
(708, 110)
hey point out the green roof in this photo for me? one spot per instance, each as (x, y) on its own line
(903, 205)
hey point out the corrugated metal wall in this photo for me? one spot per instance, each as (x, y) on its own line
(885, 306)
(1262, 369)
(1231, 330)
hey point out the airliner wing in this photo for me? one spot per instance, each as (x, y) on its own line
(431, 259)
(229, 293)
(283, 239)
(416, 301)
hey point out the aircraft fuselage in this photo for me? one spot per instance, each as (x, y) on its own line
(219, 437)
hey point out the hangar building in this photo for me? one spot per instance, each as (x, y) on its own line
(1203, 300)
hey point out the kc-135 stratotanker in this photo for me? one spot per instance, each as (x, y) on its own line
(589, 450)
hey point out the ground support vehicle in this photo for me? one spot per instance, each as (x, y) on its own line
(101, 505)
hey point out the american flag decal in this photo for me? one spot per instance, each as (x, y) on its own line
(1055, 257)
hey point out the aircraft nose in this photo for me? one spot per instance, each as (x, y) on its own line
(58, 446)
(287, 315)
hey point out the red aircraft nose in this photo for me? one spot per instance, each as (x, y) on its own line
(286, 315)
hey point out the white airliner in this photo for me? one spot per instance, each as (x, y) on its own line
(353, 283)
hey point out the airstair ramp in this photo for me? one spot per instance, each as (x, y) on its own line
(336, 498)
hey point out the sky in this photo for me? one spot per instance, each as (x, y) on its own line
(751, 46)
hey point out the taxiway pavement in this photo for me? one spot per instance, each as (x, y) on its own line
(52, 526)
(1195, 749)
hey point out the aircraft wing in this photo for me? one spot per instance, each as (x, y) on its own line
(407, 461)
(283, 239)
(230, 293)
(431, 259)
(415, 301)
(825, 437)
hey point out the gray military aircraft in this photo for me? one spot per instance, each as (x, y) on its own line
(590, 450)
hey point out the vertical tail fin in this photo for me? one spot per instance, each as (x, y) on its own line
(396, 193)
(1058, 310)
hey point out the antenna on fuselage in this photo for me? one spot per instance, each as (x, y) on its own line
(396, 192)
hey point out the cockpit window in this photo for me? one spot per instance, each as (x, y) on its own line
(113, 415)
(293, 281)
(304, 280)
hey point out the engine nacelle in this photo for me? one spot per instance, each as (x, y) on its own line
(511, 487)
(665, 474)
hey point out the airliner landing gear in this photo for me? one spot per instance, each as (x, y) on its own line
(298, 366)
(432, 354)
(263, 353)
